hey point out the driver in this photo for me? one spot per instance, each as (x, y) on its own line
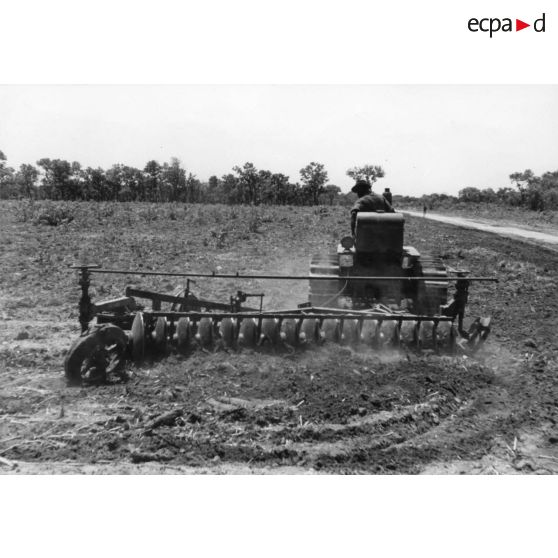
(367, 201)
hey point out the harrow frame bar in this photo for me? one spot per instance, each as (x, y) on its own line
(460, 276)
(295, 314)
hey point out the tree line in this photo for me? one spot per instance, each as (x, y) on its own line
(58, 179)
(527, 190)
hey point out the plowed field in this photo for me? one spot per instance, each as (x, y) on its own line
(328, 410)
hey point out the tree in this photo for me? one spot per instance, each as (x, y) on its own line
(26, 178)
(283, 191)
(152, 172)
(470, 194)
(173, 181)
(313, 177)
(231, 189)
(125, 183)
(549, 180)
(61, 179)
(95, 186)
(193, 188)
(331, 193)
(214, 192)
(8, 186)
(249, 183)
(369, 173)
(5, 171)
(522, 179)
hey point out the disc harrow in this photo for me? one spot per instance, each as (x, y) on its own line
(123, 329)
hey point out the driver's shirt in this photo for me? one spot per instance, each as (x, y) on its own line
(372, 202)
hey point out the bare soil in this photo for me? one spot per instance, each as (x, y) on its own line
(328, 410)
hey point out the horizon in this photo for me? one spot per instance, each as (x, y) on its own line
(428, 139)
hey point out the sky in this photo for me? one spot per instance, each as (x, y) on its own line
(427, 138)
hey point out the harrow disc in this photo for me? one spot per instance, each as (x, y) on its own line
(270, 331)
(426, 335)
(160, 335)
(248, 333)
(227, 332)
(204, 334)
(308, 332)
(445, 336)
(330, 332)
(369, 333)
(138, 338)
(388, 334)
(289, 332)
(183, 335)
(408, 333)
(350, 332)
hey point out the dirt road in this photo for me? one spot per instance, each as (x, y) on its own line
(507, 231)
(329, 410)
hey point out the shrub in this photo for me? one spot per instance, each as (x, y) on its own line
(54, 215)
(254, 220)
(45, 213)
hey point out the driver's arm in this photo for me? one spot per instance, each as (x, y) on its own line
(353, 220)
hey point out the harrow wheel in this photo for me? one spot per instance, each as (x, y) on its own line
(138, 338)
(92, 357)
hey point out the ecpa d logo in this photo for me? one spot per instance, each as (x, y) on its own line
(492, 25)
